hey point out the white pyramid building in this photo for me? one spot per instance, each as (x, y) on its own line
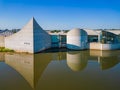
(31, 38)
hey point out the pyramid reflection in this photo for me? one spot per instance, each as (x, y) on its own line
(30, 66)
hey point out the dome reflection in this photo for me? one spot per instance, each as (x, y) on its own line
(77, 60)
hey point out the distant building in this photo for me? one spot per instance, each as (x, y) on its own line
(6, 33)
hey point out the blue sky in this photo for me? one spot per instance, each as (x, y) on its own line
(61, 14)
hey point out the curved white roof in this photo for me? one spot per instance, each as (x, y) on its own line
(77, 32)
(92, 32)
(114, 31)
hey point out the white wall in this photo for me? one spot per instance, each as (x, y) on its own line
(77, 42)
(32, 38)
(96, 46)
(99, 46)
(110, 46)
(21, 41)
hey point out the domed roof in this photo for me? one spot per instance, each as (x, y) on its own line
(77, 32)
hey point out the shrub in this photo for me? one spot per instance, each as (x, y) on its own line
(3, 49)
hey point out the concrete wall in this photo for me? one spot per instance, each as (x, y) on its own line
(99, 46)
(21, 41)
(77, 39)
(42, 40)
(32, 38)
(110, 46)
(77, 42)
(2, 41)
(96, 46)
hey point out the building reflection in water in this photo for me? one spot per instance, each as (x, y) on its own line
(32, 66)
(108, 62)
(2, 57)
(107, 59)
(77, 60)
(29, 66)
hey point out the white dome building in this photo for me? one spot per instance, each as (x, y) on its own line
(77, 39)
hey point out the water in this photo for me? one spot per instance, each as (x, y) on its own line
(71, 70)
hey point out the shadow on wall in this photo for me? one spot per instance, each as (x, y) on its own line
(75, 47)
(53, 50)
